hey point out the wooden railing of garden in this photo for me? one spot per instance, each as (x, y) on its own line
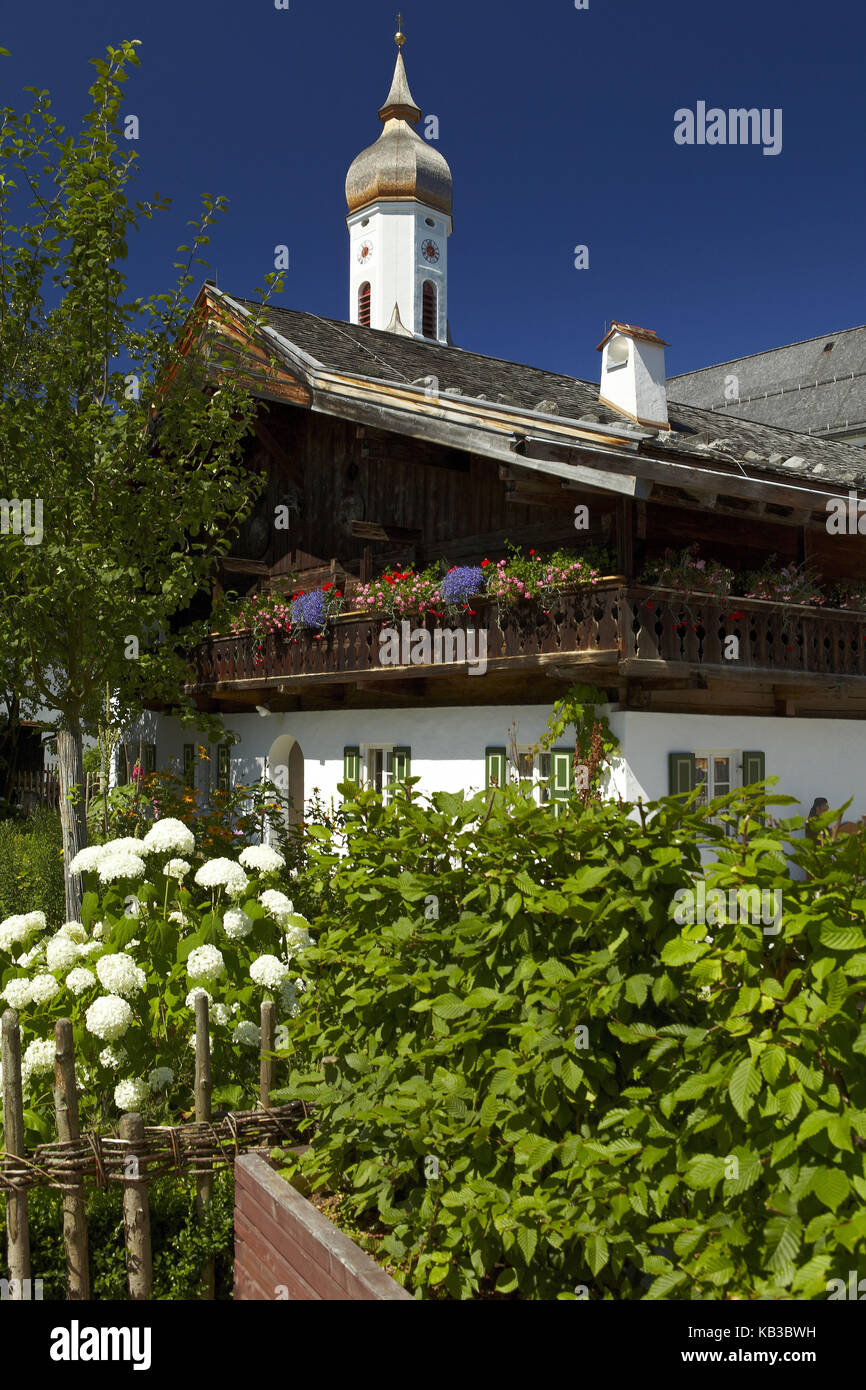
(132, 1158)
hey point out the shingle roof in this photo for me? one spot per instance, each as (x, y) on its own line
(815, 386)
(704, 434)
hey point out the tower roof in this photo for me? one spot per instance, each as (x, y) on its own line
(400, 164)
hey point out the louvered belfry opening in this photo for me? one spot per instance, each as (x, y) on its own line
(364, 305)
(430, 315)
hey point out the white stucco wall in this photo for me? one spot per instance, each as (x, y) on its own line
(811, 757)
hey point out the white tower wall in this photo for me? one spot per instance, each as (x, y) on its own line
(396, 267)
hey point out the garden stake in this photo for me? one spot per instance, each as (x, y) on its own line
(136, 1212)
(18, 1234)
(74, 1215)
(266, 1069)
(203, 1089)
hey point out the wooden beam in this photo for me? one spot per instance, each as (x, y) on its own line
(383, 531)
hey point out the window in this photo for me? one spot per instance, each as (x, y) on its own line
(364, 295)
(714, 772)
(189, 764)
(384, 767)
(430, 315)
(533, 772)
(149, 758)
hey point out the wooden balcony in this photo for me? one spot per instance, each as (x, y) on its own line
(615, 632)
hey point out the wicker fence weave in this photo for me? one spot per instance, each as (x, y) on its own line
(177, 1150)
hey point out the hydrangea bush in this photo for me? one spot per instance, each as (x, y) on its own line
(152, 936)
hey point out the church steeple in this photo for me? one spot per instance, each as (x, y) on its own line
(399, 193)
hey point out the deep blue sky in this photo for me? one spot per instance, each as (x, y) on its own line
(558, 126)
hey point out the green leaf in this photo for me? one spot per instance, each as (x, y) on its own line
(744, 1086)
(704, 1170)
(665, 1284)
(841, 938)
(527, 1239)
(831, 1186)
(595, 1250)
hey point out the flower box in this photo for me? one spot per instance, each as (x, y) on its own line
(287, 1250)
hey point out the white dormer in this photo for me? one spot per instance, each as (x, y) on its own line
(633, 379)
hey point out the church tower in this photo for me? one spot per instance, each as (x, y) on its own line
(400, 198)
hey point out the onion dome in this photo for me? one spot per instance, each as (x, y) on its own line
(400, 164)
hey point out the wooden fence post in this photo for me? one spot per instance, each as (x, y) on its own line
(68, 1130)
(203, 1090)
(266, 1065)
(18, 1232)
(136, 1212)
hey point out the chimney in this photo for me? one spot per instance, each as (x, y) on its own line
(633, 377)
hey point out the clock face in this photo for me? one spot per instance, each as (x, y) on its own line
(430, 251)
(365, 252)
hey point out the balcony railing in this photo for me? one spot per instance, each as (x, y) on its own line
(634, 629)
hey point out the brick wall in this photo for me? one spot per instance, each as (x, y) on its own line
(285, 1247)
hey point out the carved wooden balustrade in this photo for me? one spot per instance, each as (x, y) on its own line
(634, 628)
(660, 625)
(583, 626)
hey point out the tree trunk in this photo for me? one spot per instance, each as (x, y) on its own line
(73, 820)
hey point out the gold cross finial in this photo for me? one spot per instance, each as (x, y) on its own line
(399, 37)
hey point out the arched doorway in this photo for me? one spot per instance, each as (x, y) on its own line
(285, 768)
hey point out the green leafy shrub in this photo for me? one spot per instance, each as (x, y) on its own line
(31, 866)
(180, 1242)
(534, 1082)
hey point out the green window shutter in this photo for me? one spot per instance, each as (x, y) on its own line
(754, 768)
(561, 778)
(223, 769)
(402, 764)
(681, 771)
(352, 765)
(495, 768)
(150, 757)
(189, 764)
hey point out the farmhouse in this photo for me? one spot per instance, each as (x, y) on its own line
(389, 448)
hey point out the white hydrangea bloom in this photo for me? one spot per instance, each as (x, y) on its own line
(89, 948)
(87, 859)
(79, 980)
(219, 1015)
(205, 963)
(194, 994)
(236, 924)
(17, 994)
(169, 837)
(269, 972)
(116, 867)
(297, 939)
(98, 931)
(160, 1078)
(176, 868)
(15, 930)
(247, 1034)
(31, 957)
(74, 930)
(60, 953)
(262, 858)
(125, 845)
(119, 974)
(289, 997)
(131, 1094)
(209, 1041)
(177, 917)
(223, 873)
(43, 989)
(112, 1057)
(38, 1058)
(108, 1017)
(132, 908)
(277, 904)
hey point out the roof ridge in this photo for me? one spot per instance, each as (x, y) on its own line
(765, 352)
